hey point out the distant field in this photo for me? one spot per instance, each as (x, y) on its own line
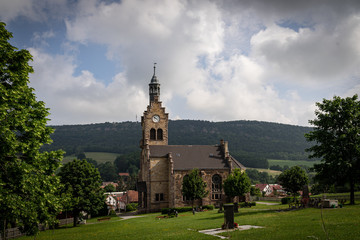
(291, 163)
(270, 172)
(100, 157)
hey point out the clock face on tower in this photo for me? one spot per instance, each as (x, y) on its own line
(156, 118)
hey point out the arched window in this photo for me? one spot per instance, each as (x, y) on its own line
(216, 187)
(159, 134)
(152, 134)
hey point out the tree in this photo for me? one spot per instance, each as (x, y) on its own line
(293, 180)
(236, 184)
(193, 186)
(82, 183)
(109, 188)
(254, 191)
(107, 172)
(27, 180)
(337, 142)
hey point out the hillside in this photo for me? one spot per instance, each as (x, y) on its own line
(251, 142)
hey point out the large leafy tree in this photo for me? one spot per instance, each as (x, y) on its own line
(193, 186)
(237, 184)
(337, 142)
(27, 180)
(82, 183)
(293, 180)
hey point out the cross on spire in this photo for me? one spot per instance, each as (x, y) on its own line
(154, 68)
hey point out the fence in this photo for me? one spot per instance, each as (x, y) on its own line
(15, 232)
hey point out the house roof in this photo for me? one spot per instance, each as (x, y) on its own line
(187, 157)
(261, 186)
(132, 195)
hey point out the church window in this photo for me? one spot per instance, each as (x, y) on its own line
(159, 134)
(159, 197)
(216, 187)
(152, 134)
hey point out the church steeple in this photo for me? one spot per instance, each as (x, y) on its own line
(154, 88)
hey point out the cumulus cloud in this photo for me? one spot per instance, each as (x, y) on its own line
(82, 98)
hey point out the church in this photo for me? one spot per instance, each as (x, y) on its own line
(163, 166)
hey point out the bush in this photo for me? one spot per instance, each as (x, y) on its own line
(131, 207)
(286, 200)
(247, 204)
(208, 207)
(179, 209)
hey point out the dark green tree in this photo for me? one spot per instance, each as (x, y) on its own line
(293, 180)
(337, 142)
(236, 184)
(27, 180)
(107, 172)
(109, 188)
(193, 186)
(82, 183)
(254, 191)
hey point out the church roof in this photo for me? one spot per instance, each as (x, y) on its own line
(187, 157)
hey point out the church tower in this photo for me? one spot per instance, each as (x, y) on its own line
(154, 122)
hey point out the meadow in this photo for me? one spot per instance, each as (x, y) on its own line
(277, 223)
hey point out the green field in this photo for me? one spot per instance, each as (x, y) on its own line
(291, 163)
(340, 223)
(100, 157)
(269, 171)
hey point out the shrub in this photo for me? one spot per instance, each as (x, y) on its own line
(286, 200)
(247, 204)
(172, 210)
(208, 207)
(131, 207)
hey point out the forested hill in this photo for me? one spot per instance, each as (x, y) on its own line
(248, 140)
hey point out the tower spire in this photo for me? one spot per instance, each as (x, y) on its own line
(154, 87)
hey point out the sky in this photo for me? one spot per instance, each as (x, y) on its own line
(217, 60)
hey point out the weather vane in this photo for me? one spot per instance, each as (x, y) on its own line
(154, 68)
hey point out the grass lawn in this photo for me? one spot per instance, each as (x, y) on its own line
(100, 157)
(341, 223)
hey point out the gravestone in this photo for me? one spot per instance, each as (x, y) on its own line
(229, 216)
(236, 207)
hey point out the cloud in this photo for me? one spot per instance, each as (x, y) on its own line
(82, 99)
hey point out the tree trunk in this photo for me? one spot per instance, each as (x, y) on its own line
(3, 232)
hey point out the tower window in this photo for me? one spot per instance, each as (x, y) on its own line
(159, 134)
(152, 134)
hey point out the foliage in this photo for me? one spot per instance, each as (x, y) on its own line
(178, 209)
(287, 200)
(254, 191)
(28, 193)
(131, 207)
(82, 182)
(107, 172)
(128, 162)
(250, 141)
(109, 188)
(337, 138)
(236, 184)
(193, 186)
(247, 204)
(293, 180)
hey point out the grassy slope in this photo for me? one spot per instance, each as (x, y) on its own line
(301, 224)
(270, 172)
